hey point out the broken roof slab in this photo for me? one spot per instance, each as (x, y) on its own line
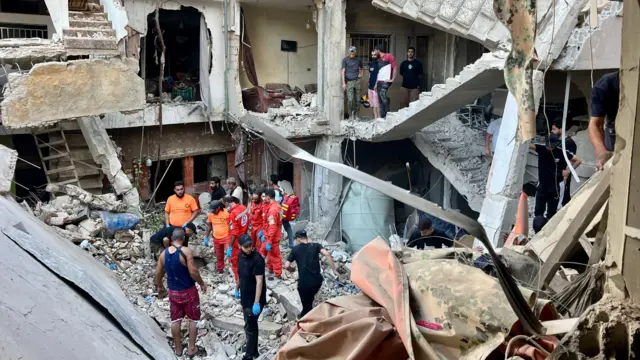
(60, 90)
(24, 53)
(74, 265)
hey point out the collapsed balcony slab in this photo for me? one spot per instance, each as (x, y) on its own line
(60, 90)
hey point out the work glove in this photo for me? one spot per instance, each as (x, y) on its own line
(256, 309)
(237, 294)
(261, 236)
(229, 252)
(268, 247)
(206, 241)
(185, 225)
(167, 225)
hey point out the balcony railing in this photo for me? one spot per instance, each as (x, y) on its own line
(23, 32)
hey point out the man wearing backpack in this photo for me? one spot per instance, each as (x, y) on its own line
(288, 203)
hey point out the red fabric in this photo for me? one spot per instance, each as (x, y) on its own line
(184, 303)
(262, 250)
(256, 241)
(238, 221)
(235, 252)
(290, 207)
(273, 223)
(222, 241)
(391, 60)
(219, 251)
(257, 219)
(274, 259)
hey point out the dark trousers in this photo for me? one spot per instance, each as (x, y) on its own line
(307, 294)
(251, 333)
(567, 191)
(547, 199)
(382, 88)
(289, 230)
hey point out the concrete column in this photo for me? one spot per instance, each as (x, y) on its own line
(320, 26)
(328, 186)
(504, 185)
(105, 155)
(447, 191)
(187, 171)
(335, 32)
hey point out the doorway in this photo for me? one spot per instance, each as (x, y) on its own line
(175, 173)
(422, 44)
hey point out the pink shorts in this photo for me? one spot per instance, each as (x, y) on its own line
(374, 100)
(184, 302)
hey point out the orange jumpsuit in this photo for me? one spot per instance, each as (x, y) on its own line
(238, 225)
(256, 224)
(273, 236)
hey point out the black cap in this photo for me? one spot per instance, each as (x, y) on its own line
(245, 240)
(301, 234)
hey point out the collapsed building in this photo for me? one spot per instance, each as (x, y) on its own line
(130, 96)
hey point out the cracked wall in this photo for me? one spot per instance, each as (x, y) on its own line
(56, 91)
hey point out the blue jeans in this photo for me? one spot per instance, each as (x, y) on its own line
(289, 230)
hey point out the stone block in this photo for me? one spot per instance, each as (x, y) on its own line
(236, 324)
(94, 87)
(289, 299)
(8, 159)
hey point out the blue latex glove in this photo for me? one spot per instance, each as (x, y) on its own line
(256, 309)
(268, 247)
(229, 252)
(237, 294)
(260, 234)
(167, 225)
(206, 241)
(185, 224)
(262, 238)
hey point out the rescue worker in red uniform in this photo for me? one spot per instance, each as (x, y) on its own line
(264, 206)
(238, 225)
(256, 220)
(273, 234)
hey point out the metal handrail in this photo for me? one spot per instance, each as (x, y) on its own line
(22, 33)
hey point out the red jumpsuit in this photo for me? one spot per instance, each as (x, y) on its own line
(238, 225)
(273, 236)
(256, 224)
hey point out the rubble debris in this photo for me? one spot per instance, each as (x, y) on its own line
(107, 202)
(236, 324)
(8, 159)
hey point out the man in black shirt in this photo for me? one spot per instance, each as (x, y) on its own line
(374, 100)
(411, 71)
(307, 257)
(605, 96)
(556, 129)
(253, 292)
(162, 239)
(426, 235)
(552, 170)
(217, 191)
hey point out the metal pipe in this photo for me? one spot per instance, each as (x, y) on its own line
(225, 34)
(565, 110)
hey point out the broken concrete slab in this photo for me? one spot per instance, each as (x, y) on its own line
(43, 315)
(104, 153)
(289, 299)
(73, 264)
(8, 159)
(235, 324)
(94, 87)
(106, 202)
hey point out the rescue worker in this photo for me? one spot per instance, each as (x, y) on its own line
(256, 219)
(306, 255)
(262, 249)
(273, 233)
(162, 239)
(218, 221)
(238, 225)
(251, 289)
(181, 208)
(182, 275)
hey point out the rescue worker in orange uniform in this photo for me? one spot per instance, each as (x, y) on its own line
(238, 225)
(256, 220)
(273, 233)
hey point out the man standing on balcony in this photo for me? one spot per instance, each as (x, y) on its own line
(351, 75)
(412, 72)
(386, 76)
(374, 99)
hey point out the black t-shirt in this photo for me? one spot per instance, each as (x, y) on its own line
(550, 166)
(374, 67)
(411, 71)
(167, 232)
(571, 146)
(437, 239)
(218, 194)
(605, 96)
(307, 257)
(250, 266)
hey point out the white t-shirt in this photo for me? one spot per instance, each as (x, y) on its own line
(237, 193)
(494, 130)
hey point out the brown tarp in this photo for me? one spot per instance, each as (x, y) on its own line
(469, 309)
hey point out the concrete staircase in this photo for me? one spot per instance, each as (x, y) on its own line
(474, 81)
(90, 33)
(456, 150)
(471, 19)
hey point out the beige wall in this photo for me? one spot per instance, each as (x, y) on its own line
(266, 27)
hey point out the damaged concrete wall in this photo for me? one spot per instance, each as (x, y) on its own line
(266, 27)
(55, 91)
(137, 12)
(177, 141)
